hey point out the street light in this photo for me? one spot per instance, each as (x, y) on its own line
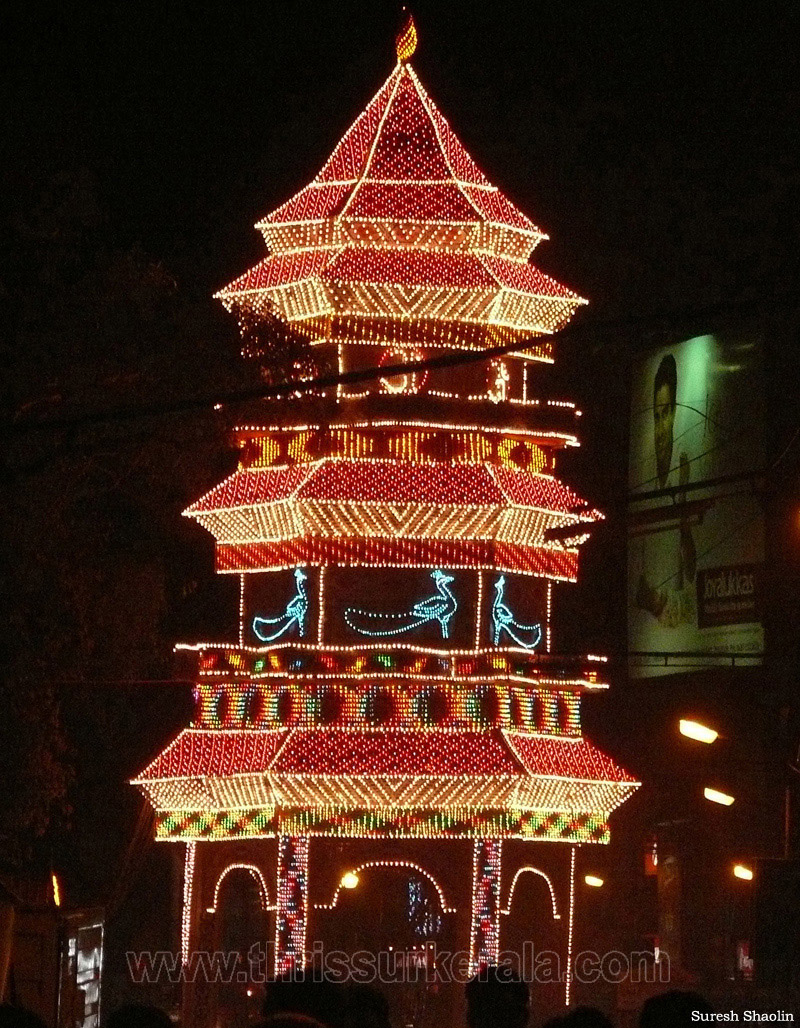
(718, 797)
(697, 731)
(349, 880)
(745, 873)
(594, 881)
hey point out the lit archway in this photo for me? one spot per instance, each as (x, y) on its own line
(256, 873)
(446, 908)
(532, 870)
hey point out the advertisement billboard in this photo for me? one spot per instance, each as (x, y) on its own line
(695, 519)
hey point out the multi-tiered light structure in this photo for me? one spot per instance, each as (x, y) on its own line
(398, 545)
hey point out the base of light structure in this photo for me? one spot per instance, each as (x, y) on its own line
(488, 898)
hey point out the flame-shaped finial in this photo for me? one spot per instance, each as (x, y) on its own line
(406, 40)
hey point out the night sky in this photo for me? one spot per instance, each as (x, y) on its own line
(646, 141)
(657, 145)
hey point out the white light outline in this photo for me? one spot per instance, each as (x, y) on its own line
(446, 908)
(532, 870)
(256, 873)
(188, 896)
(570, 926)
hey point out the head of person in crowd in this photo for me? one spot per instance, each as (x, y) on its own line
(139, 1015)
(497, 996)
(672, 1008)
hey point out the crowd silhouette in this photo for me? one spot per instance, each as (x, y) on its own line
(496, 999)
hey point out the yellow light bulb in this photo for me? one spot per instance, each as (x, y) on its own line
(718, 797)
(697, 731)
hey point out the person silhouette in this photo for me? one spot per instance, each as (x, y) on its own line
(497, 996)
(673, 1008)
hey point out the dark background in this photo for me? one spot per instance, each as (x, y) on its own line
(658, 147)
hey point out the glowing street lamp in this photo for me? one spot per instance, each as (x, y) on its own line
(697, 731)
(350, 880)
(718, 797)
(594, 881)
(745, 873)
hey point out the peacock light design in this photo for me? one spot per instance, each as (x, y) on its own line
(526, 636)
(440, 607)
(295, 614)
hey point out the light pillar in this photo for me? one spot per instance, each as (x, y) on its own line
(485, 930)
(291, 913)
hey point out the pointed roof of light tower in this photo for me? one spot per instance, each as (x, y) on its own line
(401, 222)
(401, 159)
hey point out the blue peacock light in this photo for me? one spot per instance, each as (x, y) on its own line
(294, 614)
(440, 607)
(526, 636)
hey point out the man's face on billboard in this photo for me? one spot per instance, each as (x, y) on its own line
(663, 423)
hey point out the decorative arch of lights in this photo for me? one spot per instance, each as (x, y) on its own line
(256, 873)
(446, 908)
(528, 869)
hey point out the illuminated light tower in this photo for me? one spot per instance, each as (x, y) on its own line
(393, 699)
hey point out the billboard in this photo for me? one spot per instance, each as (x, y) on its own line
(695, 520)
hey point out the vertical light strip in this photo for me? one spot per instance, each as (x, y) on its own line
(473, 935)
(570, 926)
(479, 613)
(484, 946)
(321, 611)
(547, 633)
(241, 609)
(188, 890)
(291, 916)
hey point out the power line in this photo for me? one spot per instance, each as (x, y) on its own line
(297, 388)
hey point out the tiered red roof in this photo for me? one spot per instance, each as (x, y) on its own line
(400, 140)
(400, 204)
(399, 227)
(215, 753)
(325, 752)
(497, 517)
(334, 480)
